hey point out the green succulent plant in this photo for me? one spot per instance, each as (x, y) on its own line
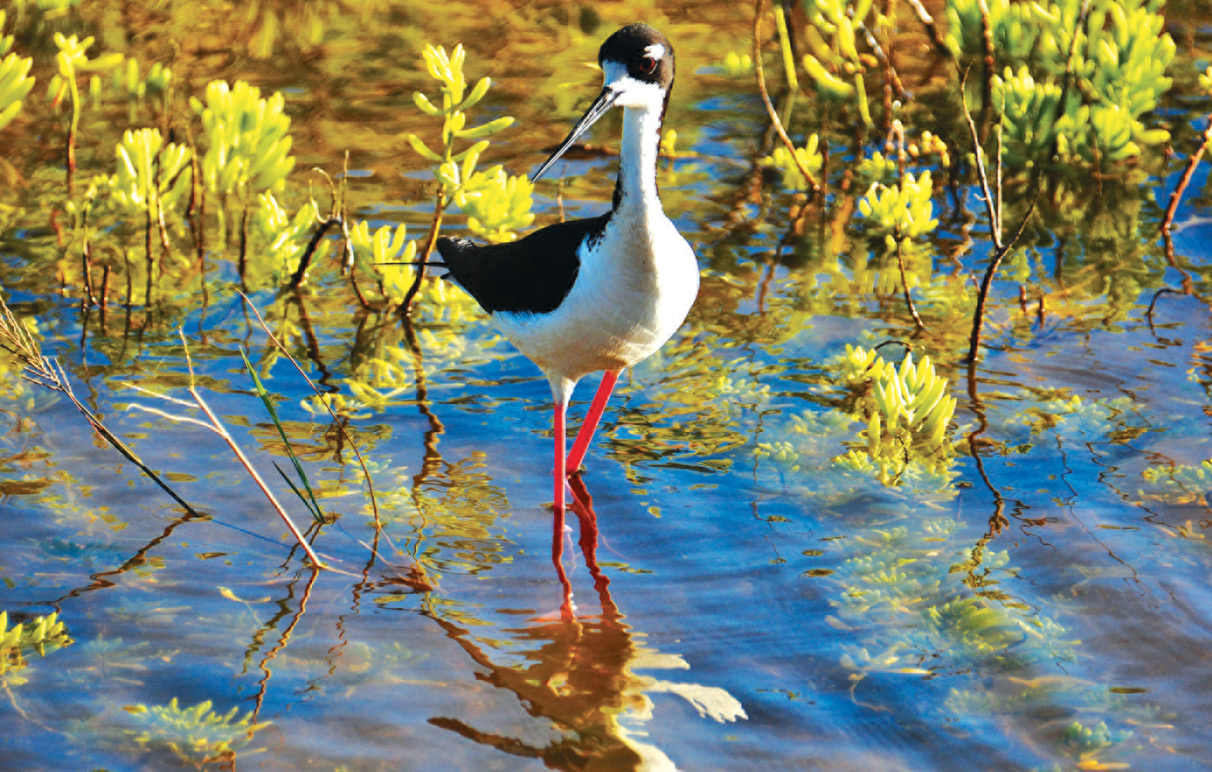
(197, 734)
(901, 210)
(496, 204)
(375, 252)
(455, 168)
(906, 411)
(285, 236)
(42, 636)
(809, 155)
(148, 176)
(246, 137)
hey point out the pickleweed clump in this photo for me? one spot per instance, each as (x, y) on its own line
(195, 735)
(902, 210)
(42, 636)
(151, 175)
(15, 80)
(497, 204)
(381, 255)
(246, 137)
(1082, 83)
(284, 236)
(906, 411)
(809, 155)
(834, 60)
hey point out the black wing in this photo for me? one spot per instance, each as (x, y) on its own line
(532, 274)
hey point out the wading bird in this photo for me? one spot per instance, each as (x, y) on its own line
(602, 293)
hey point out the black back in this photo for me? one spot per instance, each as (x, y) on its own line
(531, 275)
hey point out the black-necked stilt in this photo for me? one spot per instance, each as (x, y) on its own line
(602, 293)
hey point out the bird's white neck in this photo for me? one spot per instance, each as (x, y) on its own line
(637, 188)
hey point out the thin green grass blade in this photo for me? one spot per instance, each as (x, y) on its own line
(309, 501)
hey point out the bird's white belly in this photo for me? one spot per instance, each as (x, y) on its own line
(625, 303)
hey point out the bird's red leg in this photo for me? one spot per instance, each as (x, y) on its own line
(557, 524)
(581, 444)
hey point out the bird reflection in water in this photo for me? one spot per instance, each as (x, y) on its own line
(581, 678)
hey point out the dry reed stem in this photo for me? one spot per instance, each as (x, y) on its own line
(213, 424)
(774, 116)
(43, 371)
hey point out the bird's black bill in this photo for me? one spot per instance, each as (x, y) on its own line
(596, 110)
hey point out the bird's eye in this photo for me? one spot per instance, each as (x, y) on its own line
(648, 65)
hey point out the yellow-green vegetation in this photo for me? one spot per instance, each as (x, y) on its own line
(375, 253)
(197, 734)
(15, 80)
(496, 203)
(906, 409)
(809, 155)
(151, 175)
(247, 140)
(42, 636)
(1120, 54)
(902, 210)
(833, 59)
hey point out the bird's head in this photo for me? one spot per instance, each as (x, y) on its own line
(637, 64)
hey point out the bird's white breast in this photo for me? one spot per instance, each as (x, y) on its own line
(633, 290)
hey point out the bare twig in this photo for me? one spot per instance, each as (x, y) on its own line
(927, 21)
(213, 424)
(900, 259)
(304, 262)
(993, 204)
(435, 225)
(1185, 180)
(774, 116)
(16, 339)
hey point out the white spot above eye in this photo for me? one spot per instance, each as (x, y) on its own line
(655, 51)
(632, 92)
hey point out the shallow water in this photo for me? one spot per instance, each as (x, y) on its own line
(730, 610)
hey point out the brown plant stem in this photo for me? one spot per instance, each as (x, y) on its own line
(936, 36)
(759, 7)
(1188, 173)
(434, 226)
(900, 260)
(300, 273)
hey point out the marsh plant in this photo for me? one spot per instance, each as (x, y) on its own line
(248, 149)
(497, 204)
(1080, 77)
(907, 411)
(196, 735)
(15, 80)
(41, 636)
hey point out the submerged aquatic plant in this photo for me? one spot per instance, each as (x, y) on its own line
(906, 410)
(808, 157)
(197, 734)
(42, 636)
